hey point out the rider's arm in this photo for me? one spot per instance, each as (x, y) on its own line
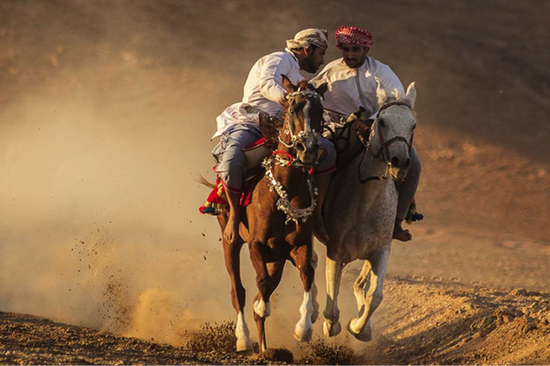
(389, 81)
(271, 80)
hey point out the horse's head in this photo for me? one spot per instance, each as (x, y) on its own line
(392, 131)
(302, 127)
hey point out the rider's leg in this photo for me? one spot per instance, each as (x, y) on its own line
(323, 174)
(406, 196)
(232, 168)
(231, 232)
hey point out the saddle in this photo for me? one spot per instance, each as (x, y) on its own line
(216, 202)
(349, 137)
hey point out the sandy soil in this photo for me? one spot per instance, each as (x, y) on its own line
(106, 109)
(422, 321)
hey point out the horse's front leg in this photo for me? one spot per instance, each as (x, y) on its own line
(301, 257)
(368, 293)
(275, 272)
(333, 272)
(238, 294)
(314, 291)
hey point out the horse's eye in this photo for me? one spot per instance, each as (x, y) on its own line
(382, 122)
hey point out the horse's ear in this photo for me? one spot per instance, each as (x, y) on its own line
(410, 97)
(288, 85)
(321, 90)
(381, 93)
(302, 85)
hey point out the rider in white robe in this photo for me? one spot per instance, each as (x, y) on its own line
(238, 125)
(352, 84)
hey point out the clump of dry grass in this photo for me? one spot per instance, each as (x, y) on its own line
(275, 356)
(319, 352)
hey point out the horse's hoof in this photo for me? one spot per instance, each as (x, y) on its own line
(331, 330)
(364, 335)
(244, 345)
(303, 334)
(262, 308)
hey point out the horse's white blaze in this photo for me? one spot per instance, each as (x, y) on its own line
(304, 328)
(243, 334)
(262, 308)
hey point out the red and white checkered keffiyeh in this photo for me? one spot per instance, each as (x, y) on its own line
(353, 35)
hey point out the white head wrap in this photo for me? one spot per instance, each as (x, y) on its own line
(308, 37)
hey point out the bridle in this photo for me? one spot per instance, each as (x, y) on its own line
(286, 159)
(384, 144)
(307, 134)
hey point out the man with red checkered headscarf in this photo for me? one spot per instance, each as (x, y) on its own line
(352, 82)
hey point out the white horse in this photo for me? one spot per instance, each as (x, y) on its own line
(360, 211)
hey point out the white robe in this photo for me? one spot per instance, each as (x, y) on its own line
(263, 90)
(349, 89)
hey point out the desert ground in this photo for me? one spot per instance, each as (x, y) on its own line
(106, 113)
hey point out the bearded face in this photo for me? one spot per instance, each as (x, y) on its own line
(353, 55)
(313, 61)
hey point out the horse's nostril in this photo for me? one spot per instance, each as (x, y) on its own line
(395, 161)
(407, 164)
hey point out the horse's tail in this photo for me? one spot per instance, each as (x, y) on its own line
(202, 180)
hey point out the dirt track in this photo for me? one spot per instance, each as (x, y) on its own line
(422, 321)
(105, 113)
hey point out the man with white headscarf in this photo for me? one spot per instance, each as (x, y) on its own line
(352, 83)
(238, 125)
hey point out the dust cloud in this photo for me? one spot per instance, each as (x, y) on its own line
(99, 205)
(99, 200)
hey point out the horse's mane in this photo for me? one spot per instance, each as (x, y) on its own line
(270, 131)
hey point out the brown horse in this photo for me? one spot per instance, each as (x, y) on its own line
(275, 224)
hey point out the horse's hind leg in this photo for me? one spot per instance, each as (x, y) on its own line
(314, 291)
(331, 325)
(301, 257)
(238, 295)
(275, 272)
(368, 294)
